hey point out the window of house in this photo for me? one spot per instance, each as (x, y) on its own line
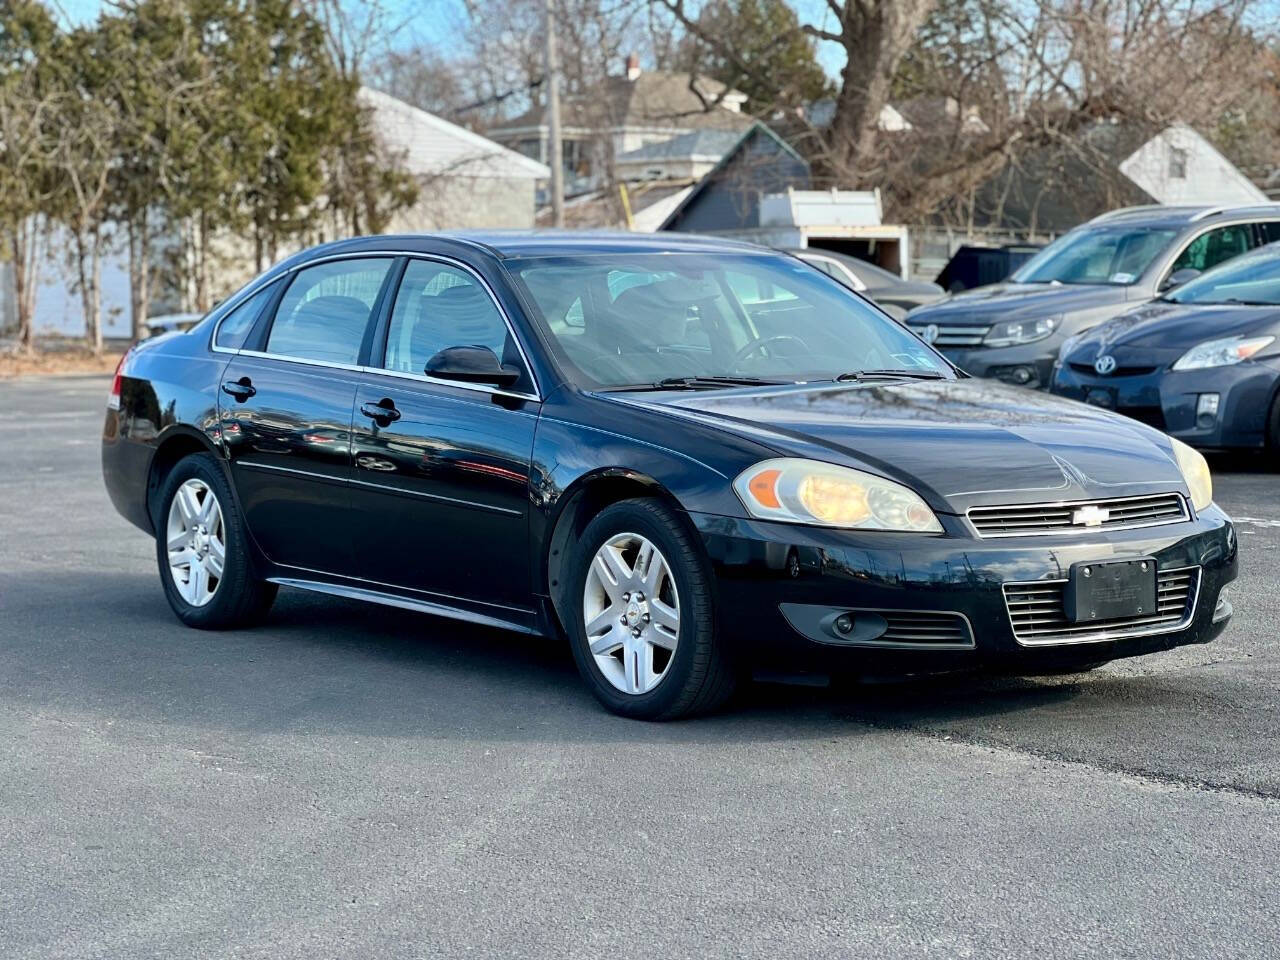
(1177, 163)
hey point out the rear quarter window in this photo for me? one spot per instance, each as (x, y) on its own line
(237, 324)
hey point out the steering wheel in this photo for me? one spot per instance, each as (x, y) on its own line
(761, 342)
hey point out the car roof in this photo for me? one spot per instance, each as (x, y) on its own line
(1154, 215)
(502, 244)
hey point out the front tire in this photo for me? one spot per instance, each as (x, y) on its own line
(202, 548)
(640, 613)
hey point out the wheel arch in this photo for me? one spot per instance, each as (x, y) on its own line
(176, 443)
(581, 502)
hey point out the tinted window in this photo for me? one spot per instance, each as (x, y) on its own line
(642, 318)
(1214, 247)
(1097, 254)
(325, 310)
(1270, 231)
(438, 306)
(236, 325)
(1252, 279)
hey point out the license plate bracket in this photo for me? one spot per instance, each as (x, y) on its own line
(1111, 590)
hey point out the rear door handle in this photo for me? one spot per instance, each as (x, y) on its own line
(382, 412)
(241, 389)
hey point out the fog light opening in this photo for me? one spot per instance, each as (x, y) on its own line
(1207, 409)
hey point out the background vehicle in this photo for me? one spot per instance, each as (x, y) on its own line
(890, 292)
(689, 457)
(1013, 331)
(974, 266)
(1201, 363)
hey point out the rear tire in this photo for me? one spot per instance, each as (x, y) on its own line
(206, 562)
(640, 615)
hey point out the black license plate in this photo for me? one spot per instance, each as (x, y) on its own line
(1100, 397)
(1111, 590)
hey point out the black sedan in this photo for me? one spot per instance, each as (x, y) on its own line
(1202, 363)
(688, 457)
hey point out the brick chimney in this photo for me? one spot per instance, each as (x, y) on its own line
(633, 66)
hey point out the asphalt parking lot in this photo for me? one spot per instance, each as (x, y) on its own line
(349, 781)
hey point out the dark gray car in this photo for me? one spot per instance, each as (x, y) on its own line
(888, 291)
(1012, 331)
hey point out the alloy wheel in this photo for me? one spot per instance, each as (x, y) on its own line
(196, 541)
(631, 611)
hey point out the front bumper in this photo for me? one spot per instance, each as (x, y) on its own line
(1166, 399)
(1027, 365)
(767, 571)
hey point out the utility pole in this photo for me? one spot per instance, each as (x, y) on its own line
(553, 119)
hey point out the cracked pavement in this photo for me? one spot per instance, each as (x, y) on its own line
(349, 781)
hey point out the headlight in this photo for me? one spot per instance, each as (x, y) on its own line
(1195, 470)
(1013, 332)
(810, 491)
(1221, 353)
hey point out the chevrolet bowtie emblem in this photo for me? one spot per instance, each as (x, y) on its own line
(1090, 516)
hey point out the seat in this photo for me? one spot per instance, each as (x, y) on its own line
(459, 316)
(328, 328)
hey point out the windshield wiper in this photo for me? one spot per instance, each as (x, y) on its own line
(710, 383)
(882, 374)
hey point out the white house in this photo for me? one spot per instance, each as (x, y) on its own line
(1178, 166)
(466, 181)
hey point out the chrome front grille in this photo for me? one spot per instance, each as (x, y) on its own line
(925, 629)
(1037, 611)
(954, 336)
(1078, 516)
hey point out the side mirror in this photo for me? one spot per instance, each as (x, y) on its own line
(1179, 277)
(471, 365)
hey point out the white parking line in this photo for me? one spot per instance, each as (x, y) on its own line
(1257, 521)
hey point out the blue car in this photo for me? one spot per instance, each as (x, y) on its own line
(1201, 363)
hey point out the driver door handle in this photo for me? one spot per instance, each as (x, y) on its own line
(382, 412)
(241, 389)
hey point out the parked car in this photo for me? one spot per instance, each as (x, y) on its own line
(688, 457)
(1201, 363)
(1013, 331)
(171, 321)
(889, 292)
(977, 266)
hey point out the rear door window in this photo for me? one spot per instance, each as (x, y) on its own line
(323, 314)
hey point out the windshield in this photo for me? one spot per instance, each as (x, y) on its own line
(1253, 278)
(1097, 254)
(631, 320)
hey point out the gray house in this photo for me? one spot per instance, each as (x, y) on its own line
(728, 198)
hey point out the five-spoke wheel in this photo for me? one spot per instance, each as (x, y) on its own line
(194, 534)
(206, 562)
(640, 614)
(631, 609)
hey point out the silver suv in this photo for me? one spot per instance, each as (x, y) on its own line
(1012, 331)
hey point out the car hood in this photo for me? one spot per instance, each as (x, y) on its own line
(1016, 301)
(959, 443)
(1160, 331)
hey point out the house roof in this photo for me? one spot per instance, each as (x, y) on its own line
(757, 129)
(697, 145)
(652, 99)
(433, 147)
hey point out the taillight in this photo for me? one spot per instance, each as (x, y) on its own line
(113, 398)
